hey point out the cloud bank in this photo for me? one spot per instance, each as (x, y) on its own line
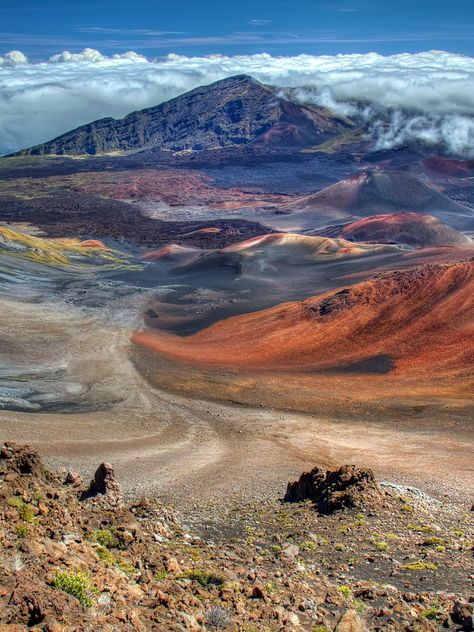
(427, 96)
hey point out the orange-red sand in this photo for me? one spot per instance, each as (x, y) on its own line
(422, 319)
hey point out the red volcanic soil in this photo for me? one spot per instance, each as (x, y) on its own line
(439, 166)
(175, 187)
(170, 250)
(182, 255)
(414, 229)
(419, 321)
(93, 243)
(296, 248)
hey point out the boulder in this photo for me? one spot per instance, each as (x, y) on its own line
(73, 479)
(350, 622)
(347, 487)
(23, 460)
(104, 486)
(463, 615)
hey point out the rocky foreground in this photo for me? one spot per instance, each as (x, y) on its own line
(340, 553)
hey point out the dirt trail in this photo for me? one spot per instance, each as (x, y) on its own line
(198, 454)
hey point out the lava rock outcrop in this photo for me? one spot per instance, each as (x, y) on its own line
(347, 487)
(104, 486)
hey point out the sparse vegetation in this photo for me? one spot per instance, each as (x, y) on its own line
(432, 541)
(359, 605)
(77, 584)
(420, 528)
(104, 537)
(204, 577)
(218, 618)
(420, 566)
(105, 555)
(345, 591)
(270, 586)
(184, 578)
(25, 511)
(381, 546)
(308, 545)
(433, 614)
(22, 530)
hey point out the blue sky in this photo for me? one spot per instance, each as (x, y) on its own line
(41, 28)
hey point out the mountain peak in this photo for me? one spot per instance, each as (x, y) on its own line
(234, 111)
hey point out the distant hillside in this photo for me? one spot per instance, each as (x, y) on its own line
(414, 229)
(370, 192)
(231, 112)
(400, 316)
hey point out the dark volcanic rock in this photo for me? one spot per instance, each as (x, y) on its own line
(105, 484)
(73, 479)
(232, 112)
(348, 486)
(23, 460)
(32, 603)
(77, 213)
(463, 614)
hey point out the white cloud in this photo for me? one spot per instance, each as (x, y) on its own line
(13, 58)
(257, 22)
(429, 95)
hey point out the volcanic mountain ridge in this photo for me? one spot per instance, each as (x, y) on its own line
(232, 112)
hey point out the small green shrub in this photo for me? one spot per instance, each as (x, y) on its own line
(77, 584)
(104, 537)
(270, 586)
(339, 546)
(381, 546)
(308, 545)
(25, 511)
(360, 606)
(22, 530)
(105, 555)
(205, 578)
(345, 591)
(16, 502)
(37, 495)
(432, 613)
(160, 576)
(125, 567)
(111, 560)
(420, 566)
(421, 528)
